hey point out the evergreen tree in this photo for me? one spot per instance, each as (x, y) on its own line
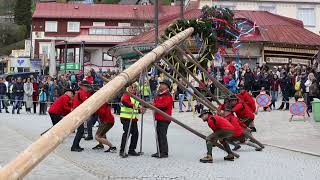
(22, 13)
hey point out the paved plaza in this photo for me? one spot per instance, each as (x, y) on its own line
(185, 150)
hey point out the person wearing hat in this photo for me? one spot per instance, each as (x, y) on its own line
(247, 98)
(164, 102)
(243, 111)
(80, 96)
(129, 111)
(61, 107)
(241, 131)
(222, 130)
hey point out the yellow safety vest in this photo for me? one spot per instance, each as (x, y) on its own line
(130, 113)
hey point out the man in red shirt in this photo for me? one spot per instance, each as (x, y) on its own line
(247, 98)
(242, 110)
(241, 132)
(164, 102)
(106, 123)
(61, 107)
(81, 95)
(222, 130)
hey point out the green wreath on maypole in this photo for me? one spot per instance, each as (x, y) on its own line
(215, 28)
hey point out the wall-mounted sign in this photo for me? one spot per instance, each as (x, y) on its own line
(300, 61)
(20, 61)
(70, 66)
(281, 60)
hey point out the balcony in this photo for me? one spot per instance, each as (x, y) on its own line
(117, 31)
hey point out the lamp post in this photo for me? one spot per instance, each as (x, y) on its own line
(65, 56)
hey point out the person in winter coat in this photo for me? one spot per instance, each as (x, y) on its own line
(35, 94)
(42, 101)
(163, 101)
(28, 91)
(231, 85)
(222, 130)
(18, 91)
(3, 95)
(274, 86)
(286, 86)
(313, 89)
(248, 79)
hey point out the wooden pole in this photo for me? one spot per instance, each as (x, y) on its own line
(30, 157)
(167, 116)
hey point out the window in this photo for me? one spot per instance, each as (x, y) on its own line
(99, 24)
(268, 7)
(106, 57)
(51, 26)
(124, 24)
(73, 27)
(307, 16)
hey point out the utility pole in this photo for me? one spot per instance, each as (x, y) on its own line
(65, 56)
(156, 20)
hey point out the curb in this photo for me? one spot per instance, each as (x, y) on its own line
(294, 150)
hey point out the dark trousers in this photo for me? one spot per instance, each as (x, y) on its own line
(134, 134)
(42, 108)
(55, 118)
(2, 97)
(18, 102)
(285, 101)
(92, 121)
(78, 137)
(162, 129)
(35, 107)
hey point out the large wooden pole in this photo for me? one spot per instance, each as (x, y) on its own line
(29, 158)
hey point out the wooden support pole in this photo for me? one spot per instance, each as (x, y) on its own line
(37, 151)
(167, 116)
(209, 105)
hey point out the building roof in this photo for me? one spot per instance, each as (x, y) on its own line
(270, 28)
(100, 11)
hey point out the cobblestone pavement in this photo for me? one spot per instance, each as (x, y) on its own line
(185, 151)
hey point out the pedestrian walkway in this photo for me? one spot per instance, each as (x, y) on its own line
(185, 150)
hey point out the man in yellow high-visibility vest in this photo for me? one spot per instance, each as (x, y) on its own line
(130, 108)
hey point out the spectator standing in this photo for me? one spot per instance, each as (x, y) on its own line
(274, 90)
(18, 92)
(3, 96)
(28, 91)
(42, 101)
(35, 95)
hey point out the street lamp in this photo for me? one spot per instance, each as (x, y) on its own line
(65, 56)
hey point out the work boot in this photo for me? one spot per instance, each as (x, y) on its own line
(99, 146)
(230, 157)
(123, 155)
(253, 129)
(236, 147)
(88, 138)
(12, 111)
(111, 149)
(18, 112)
(207, 159)
(133, 153)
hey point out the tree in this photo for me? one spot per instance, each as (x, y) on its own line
(22, 13)
(11, 33)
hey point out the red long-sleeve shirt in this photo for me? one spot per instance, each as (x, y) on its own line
(104, 114)
(216, 123)
(238, 129)
(243, 111)
(62, 106)
(80, 97)
(163, 102)
(248, 99)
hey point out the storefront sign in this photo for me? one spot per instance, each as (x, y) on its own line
(70, 66)
(300, 61)
(277, 60)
